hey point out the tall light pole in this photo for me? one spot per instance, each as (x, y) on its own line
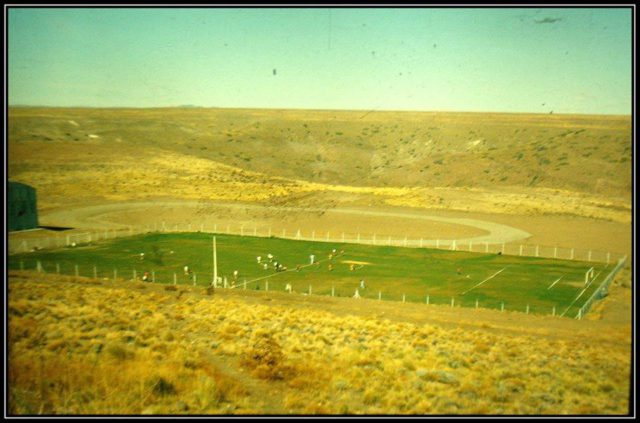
(215, 265)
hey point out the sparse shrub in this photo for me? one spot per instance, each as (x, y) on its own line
(118, 351)
(371, 396)
(161, 386)
(265, 357)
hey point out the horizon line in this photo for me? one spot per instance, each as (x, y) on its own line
(367, 111)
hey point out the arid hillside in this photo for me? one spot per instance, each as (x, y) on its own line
(85, 346)
(502, 163)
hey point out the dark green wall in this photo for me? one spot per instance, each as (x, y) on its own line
(22, 212)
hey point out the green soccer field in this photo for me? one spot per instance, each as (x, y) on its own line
(541, 285)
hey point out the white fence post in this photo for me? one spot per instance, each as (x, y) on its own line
(333, 291)
(520, 249)
(452, 301)
(589, 255)
(379, 295)
(537, 250)
(502, 306)
(403, 298)
(486, 247)
(572, 253)
(175, 278)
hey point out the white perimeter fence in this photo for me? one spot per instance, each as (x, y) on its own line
(513, 248)
(86, 238)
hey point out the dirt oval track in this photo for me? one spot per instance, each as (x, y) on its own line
(118, 215)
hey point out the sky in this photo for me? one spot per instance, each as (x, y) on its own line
(533, 60)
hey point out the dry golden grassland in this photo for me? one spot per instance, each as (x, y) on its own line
(80, 346)
(514, 164)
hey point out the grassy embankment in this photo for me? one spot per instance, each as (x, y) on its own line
(80, 346)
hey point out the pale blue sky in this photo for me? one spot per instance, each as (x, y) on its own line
(569, 60)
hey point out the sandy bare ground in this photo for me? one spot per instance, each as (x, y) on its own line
(352, 218)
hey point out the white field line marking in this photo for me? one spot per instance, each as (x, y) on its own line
(557, 280)
(478, 284)
(572, 302)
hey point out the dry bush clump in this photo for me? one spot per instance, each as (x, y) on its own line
(265, 358)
